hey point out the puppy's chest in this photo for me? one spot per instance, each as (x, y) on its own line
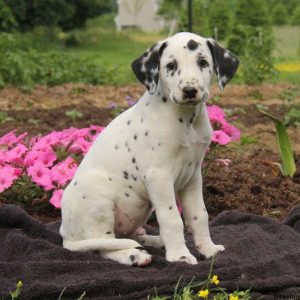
(186, 162)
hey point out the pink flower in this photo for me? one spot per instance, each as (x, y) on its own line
(7, 176)
(16, 155)
(41, 175)
(215, 113)
(11, 139)
(56, 198)
(64, 171)
(232, 131)
(80, 145)
(223, 161)
(47, 158)
(220, 137)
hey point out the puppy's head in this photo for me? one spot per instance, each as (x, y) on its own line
(182, 66)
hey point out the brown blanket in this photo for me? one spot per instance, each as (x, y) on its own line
(261, 254)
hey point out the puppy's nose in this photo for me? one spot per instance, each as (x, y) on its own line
(189, 92)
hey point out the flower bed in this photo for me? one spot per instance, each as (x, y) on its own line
(39, 168)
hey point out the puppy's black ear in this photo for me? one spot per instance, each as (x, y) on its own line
(225, 62)
(146, 67)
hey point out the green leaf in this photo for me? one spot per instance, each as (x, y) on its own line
(288, 167)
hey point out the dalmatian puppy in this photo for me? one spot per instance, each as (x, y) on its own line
(148, 157)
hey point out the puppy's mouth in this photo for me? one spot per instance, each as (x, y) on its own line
(185, 102)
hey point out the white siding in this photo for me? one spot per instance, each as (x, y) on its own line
(139, 14)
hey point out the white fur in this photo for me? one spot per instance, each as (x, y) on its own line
(144, 159)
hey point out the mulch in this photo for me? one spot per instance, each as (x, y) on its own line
(261, 254)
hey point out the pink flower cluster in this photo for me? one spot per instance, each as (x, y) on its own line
(224, 133)
(51, 160)
(39, 158)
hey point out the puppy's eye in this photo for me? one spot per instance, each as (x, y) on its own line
(203, 63)
(171, 66)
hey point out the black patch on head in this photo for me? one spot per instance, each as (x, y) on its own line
(225, 62)
(192, 45)
(150, 61)
(125, 174)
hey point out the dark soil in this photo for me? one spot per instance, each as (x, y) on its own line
(251, 183)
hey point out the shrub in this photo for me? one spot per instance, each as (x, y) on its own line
(219, 19)
(26, 69)
(296, 16)
(279, 14)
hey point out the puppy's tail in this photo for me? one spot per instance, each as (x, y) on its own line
(100, 244)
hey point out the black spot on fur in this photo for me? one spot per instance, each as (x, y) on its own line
(75, 183)
(125, 174)
(108, 232)
(128, 122)
(137, 168)
(164, 99)
(192, 45)
(130, 186)
(139, 248)
(135, 136)
(142, 120)
(195, 218)
(132, 258)
(179, 72)
(116, 147)
(109, 179)
(190, 164)
(147, 104)
(84, 196)
(146, 133)
(159, 144)
(127, 195)
(133, 160)
(183, 257)
(180, 120)
(170, 207)
(134, 177)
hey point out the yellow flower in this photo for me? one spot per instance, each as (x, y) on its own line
(203, 293)
(19, 284)
(232, 297)
(215, 280)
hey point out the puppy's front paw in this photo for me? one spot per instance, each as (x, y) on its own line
(210, 249)
(182, 256)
